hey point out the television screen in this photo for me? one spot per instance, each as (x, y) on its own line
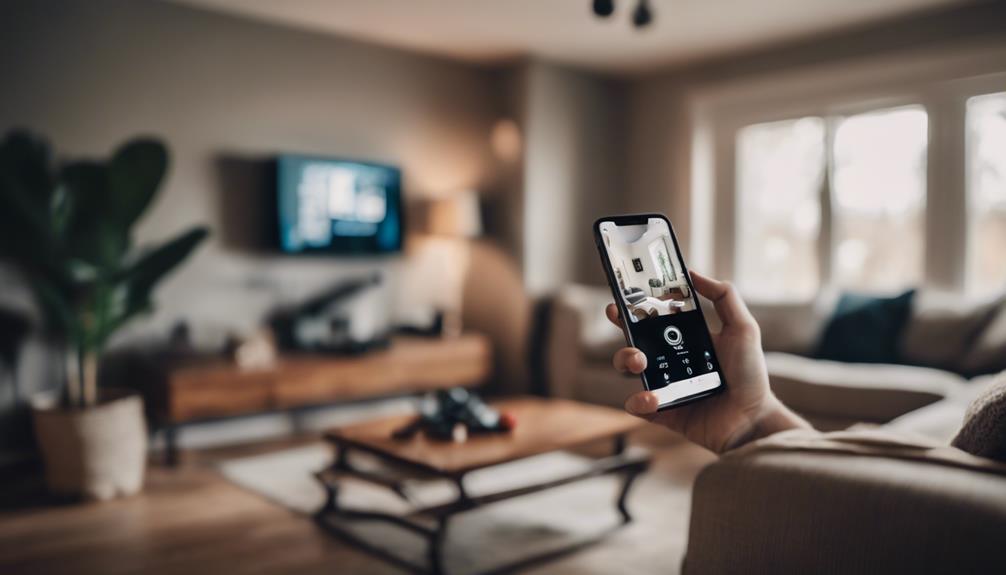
(328, 205)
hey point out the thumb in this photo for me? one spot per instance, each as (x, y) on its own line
(643, 404)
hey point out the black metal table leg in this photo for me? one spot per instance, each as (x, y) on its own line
(463, 496)
(331, 495)
(341, 459)
(171, 446)
(627, 465)
(630, 477)
(436, 550)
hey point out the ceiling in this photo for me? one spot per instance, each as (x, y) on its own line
(567, 31)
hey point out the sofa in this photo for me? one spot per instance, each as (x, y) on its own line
(888, 496)
(944, 345)
(847, 502)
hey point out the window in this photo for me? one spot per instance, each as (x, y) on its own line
(986, 184)
(662, 261)
(879, 193)
(876, 191)
(780, 169)
(862, 176)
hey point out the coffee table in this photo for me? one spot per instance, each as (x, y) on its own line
(543, 426)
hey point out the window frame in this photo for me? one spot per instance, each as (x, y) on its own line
(941, 84)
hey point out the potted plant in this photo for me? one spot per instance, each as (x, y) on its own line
(69, 230)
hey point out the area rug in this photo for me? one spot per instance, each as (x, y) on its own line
(485, 539)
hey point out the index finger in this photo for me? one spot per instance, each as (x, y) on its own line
(729, 305)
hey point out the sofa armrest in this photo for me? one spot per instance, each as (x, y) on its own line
(856, 391)
(794, 510)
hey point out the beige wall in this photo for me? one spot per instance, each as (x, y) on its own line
(225, 93)
(573, 171)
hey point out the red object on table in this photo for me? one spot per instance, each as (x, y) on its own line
(508, 420)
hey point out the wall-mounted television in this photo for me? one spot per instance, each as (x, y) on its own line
(338, 206)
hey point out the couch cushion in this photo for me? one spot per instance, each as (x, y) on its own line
(865, 329)
(988, 352)
(942, 328)
(865, 392)
(791, 327)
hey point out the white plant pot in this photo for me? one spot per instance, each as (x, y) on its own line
(97, 453)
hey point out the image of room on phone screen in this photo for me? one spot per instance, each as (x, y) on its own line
(648, 273)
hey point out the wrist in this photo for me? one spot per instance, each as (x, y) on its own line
(777, 417)
(770, 417)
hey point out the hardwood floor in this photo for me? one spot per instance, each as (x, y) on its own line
(191, 520)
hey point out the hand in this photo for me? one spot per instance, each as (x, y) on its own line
(747, 409)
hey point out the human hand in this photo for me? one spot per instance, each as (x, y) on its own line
(747, 409)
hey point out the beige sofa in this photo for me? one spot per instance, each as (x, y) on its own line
(944, 339)
(792, 504)
(890, 499)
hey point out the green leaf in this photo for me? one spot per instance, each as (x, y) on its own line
(132, 288)
(91, 234)
(81, 272)
(122, 305)
(25, 170)
(24, 192)
(60, 211)
(141, 277)
(69, 230)
(57, 309)
(24, 236)
(134, 174)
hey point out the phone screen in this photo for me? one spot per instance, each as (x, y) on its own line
(659, 307)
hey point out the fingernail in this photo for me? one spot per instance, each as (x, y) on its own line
(638, 361)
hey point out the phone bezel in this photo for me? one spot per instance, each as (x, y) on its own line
(639, 219)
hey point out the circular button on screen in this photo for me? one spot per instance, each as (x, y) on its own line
(673, 335)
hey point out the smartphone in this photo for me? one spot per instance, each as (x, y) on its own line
(659, 307)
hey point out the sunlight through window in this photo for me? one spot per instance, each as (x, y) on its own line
(986, 179)
(780, 169)
(879, 199)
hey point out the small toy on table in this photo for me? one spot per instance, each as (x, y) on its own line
(453, 414)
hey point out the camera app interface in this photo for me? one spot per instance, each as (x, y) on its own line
(663, 313)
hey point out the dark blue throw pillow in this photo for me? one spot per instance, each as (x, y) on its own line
(865, 329)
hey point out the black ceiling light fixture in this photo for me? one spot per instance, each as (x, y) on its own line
(642, 16)
(604, 8)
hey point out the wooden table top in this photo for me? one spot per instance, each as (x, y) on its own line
(543, 425)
